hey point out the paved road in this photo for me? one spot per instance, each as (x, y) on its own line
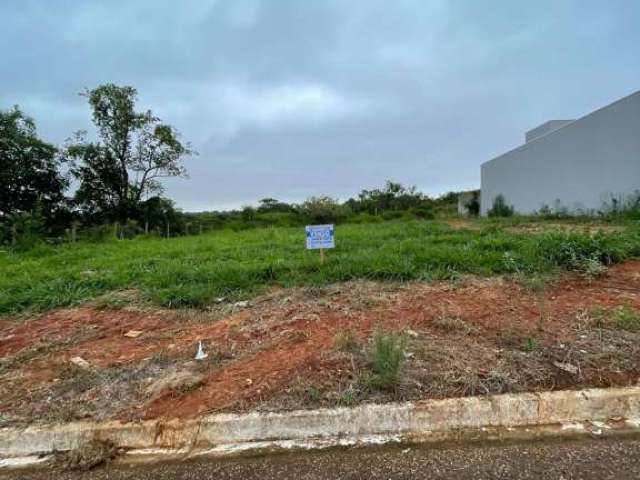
(585, 459)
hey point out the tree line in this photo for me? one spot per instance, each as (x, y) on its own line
(117, 189)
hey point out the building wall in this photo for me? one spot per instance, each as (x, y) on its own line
(580, 166)
(545, 128)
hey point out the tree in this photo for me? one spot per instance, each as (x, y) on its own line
(134, 152)
(30, 170)
(273, 205)
(324, 210)
(394, 196)
(32, 186)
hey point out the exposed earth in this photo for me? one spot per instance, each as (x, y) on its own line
(308, 347)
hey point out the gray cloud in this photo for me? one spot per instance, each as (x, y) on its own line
(292, 98)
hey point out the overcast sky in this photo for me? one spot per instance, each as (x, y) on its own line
(293, 98)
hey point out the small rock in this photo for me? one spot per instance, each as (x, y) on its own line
(80, 362)
(218, 300)
(248, 382)
(183, 379)
(567, 367)
(412, 333)
(241, 304)
(133, 333)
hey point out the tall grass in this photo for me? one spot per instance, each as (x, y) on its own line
(192, 271)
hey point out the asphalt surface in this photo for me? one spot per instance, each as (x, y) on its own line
(578, 459)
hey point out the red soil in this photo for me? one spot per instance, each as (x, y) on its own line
(271, 344)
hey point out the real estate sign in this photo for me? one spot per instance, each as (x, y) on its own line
(319, 237)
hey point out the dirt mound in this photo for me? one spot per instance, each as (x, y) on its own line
(468, 337)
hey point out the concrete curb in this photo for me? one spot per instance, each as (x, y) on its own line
(524, 416)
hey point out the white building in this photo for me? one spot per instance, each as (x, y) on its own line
(579, 165)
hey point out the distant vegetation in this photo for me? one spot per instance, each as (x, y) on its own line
(118, 191)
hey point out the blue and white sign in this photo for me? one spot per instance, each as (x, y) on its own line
(319, 236)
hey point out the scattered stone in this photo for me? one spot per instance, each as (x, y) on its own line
(133, 333)
(567, 367)
(218, 300)
(241, 304)
(80, 362)
(412, 333)
(248, 382)
(177, 380)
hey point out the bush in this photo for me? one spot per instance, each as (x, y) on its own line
(346, 341)
(100, 233)
(424, 212)
(473, 206)
(324, 210)
(500, 208)
(581, 253)
(366, 218)
(24, 231)
(392, 215)
(386, 358)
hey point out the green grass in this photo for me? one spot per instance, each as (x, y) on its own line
(192, 271)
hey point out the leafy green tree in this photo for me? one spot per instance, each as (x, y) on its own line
(134, 152)
(273, 205)
(393, 196)
(324, 210)
(30, 170)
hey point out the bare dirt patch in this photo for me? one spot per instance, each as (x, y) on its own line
(308, 347)
(585, 228)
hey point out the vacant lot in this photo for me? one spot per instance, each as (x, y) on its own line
(502, 311)
(399, 311)
(195, 271)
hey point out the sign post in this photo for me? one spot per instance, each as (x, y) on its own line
(320, 237)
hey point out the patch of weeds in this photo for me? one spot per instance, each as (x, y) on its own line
(314, 395)
(537, 284)
(116, 300)
(497, 382)
(590, 267)
(88, 455)
(160, 359)
(314, 291)
(622, 317)
(76, 380)
(386, 359)
(529, 344)
(346, 341)
(454, 324)
(189, 387)
(348, 398)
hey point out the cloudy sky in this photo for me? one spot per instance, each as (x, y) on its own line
(293, 98)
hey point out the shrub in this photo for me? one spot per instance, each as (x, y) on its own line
(346, 341)
(386, 358)
(580, 252)
(365, 218)
(473, 206)
(24, 231)
(392, 214)
(324, 210)
(424, 212)
(500, 208)
(100, 233)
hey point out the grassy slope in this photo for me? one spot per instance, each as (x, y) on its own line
(192, 271)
